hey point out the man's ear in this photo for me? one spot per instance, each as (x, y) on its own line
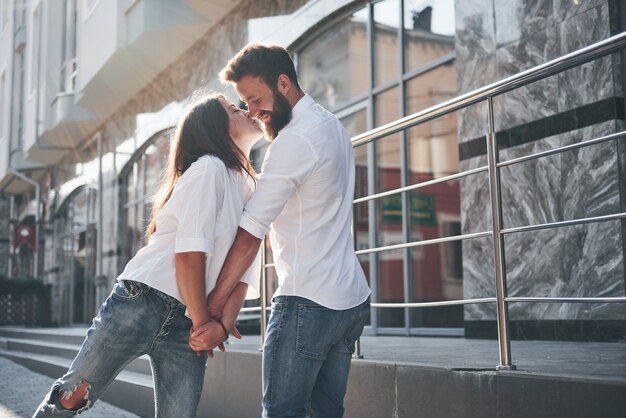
(283, 84)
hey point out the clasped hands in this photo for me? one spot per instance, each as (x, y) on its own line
(210, 335)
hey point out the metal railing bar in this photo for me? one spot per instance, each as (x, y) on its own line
(432, 304)
(424, 242)
(565, 148)
(567, 300)
(269, 265)
(560, 224)
(251, 309)
(420, 185)
(521, 79)
(612, 299)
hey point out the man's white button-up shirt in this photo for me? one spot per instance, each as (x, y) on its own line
(304, 197)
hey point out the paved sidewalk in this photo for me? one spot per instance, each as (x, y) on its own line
(21, 391)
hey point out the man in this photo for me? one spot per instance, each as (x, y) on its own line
(304, 197)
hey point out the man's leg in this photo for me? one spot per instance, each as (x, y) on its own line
(288, 376)
(332, 380)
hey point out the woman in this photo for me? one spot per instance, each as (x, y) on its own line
(160, 297)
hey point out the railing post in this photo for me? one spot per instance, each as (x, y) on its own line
(498, 244)
(263, 317)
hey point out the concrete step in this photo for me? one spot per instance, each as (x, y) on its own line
(68, 351)
(130, 391)
(51, 351)
(68, 335)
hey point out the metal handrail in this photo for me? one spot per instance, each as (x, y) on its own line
(431, 304)
(487, 93)
(565, 148)
(550, 68)
(421, 185)
(423, 242)
(560, 224)
(566, 300)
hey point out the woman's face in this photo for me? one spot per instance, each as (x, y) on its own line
(243, 129)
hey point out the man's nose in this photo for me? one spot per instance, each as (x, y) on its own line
(253, 111)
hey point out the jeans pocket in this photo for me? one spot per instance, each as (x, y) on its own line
(316, 327)
(126, 290)
(356, 329)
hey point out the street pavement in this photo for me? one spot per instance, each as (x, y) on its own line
(22, 390)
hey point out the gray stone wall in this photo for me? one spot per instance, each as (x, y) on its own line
(496, 40)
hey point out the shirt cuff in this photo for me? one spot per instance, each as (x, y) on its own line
(252, 226)
(186, 245)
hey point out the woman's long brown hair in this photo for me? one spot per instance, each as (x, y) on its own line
(201, 130)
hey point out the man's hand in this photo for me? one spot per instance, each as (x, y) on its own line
(209, 336)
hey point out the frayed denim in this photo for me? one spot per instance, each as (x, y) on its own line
(135, 320)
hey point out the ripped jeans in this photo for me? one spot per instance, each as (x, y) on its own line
(135, 320)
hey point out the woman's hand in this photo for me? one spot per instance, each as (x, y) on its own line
(208, 336)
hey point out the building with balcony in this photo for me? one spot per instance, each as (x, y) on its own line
(89, 91)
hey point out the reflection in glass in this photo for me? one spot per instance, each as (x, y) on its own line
(388, 159)
(386, 47)
(355, 124)
(332, 68)
(428, 31)
(141, 183)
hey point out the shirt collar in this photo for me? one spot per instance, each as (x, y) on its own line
(302, 105)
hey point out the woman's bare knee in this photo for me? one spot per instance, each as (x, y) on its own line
(76, 398)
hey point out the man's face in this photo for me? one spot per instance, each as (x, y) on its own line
(265, 104)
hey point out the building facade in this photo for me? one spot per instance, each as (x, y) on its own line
(90, 90)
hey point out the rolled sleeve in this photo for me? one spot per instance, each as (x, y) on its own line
(198, 197)
(289, 161)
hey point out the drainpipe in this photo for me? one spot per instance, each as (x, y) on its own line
(37, 215)
(11, 217)
(101, 281)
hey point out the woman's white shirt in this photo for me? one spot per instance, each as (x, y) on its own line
(201, 215)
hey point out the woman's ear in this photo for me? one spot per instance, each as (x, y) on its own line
(283, 84)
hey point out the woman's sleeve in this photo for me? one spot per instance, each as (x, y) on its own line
(197, 199)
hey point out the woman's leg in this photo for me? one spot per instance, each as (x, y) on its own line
(178, 371)
(119, 334)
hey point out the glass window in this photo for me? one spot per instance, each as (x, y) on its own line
(386, 47)
(331, 67)
(2, 101)
(388, 159)
(68, 47)
(334, 67)
(34, 49)
(141, 183)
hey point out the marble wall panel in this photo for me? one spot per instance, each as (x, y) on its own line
(565, 9)
(594, 80)
(577, 261)
(475, 30)
(537, 100)
(519, 19)
(472, 121)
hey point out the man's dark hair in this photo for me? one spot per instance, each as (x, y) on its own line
(266, 61)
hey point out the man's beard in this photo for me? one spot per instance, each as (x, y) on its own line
(279, 117)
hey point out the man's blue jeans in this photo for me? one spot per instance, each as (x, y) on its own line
(132, 322)
(306, 357)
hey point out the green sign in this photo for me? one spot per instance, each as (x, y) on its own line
(422, 209)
